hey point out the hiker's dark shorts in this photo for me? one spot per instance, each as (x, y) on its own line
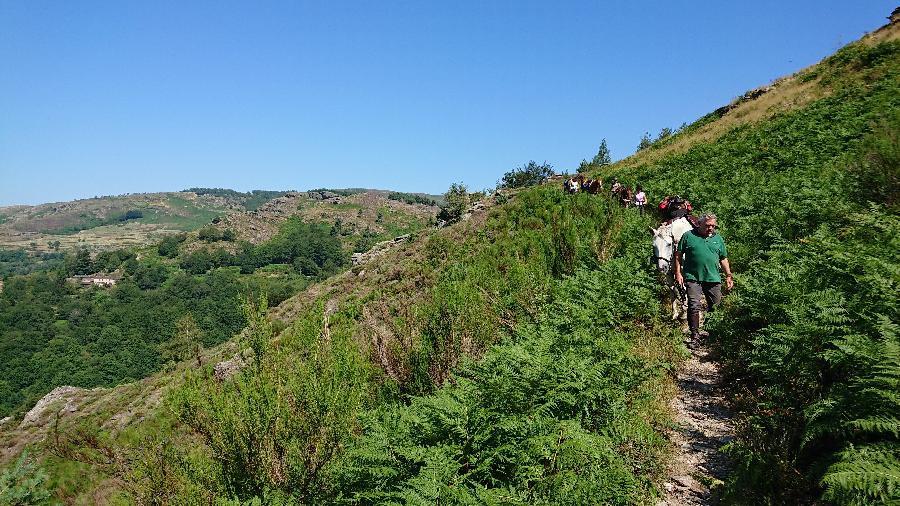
(697, 291)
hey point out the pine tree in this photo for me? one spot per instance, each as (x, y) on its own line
(646, 142)
(602, 157)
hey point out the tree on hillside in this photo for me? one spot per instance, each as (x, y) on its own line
(457, 201)
(187, 342)
(602, 157)
(209, 234)
(168, 247)
(646, 142)
(526, 175)
(665, 133)
(81, 263)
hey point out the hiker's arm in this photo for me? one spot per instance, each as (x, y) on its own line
(679, 279)
(726, 268)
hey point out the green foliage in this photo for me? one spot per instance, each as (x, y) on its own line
(878, 170)
(53, 334)
(412, 198)
(602, 158)
(810, 336)
(187, 342)
(21, 262)
(646, 142)
(274, 429)
(252, 200)
(108, 261)
(89, 221)
(202, 260)
(457, 200)
(557, 415)
(561, 411)
(365, 241)
(24, 483)
(503, 274)
(81, 263)
(529, 174)
(209, 234)
(133, 214)
(168, 247)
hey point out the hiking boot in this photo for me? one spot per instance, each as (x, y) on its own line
(693, 342)
(694, 324)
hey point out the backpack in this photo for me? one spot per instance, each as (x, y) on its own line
(663, 204)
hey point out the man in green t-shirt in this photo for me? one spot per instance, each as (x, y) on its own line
(699, 255)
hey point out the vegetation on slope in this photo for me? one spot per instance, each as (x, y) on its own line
(55, 333)
(568, 407)
(250, 200)
(807, 202)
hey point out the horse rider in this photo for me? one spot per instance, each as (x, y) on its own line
(698, 257)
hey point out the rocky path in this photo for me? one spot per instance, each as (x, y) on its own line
(703, 425)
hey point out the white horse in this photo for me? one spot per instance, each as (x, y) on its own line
(665, 238)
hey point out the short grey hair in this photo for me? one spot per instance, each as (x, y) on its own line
(708, 216)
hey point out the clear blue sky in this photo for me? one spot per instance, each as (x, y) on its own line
(100, 98)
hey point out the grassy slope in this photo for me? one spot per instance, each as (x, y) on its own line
(564, 306)
(807, 202)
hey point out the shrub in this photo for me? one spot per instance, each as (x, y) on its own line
(209, 234)
(274, 429)
(457, 201)
(23, 483)
(529, 174)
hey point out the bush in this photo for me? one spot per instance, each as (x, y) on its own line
(457, 201)
(275, 428)
(527, 175)
(23, 483)
(168, 247)
(133, 214)
(209, 234)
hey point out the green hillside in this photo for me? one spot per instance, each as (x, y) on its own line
(523, 356)
(808, 202)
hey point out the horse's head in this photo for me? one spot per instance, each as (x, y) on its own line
(663, 247)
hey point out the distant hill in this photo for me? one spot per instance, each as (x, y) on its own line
(109, 222)
(139, 219)
(356, 215)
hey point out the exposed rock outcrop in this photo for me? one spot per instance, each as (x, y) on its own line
(377, 250)
(63, 398)
(225, 370)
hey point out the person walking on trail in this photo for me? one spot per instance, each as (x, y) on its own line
(698, 257)
(640, 199)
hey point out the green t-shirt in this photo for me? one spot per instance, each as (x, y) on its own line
(701, 256)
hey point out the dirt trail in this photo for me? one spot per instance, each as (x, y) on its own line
(703, 419)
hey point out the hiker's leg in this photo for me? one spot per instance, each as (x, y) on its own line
(713, 294)
(695, 298)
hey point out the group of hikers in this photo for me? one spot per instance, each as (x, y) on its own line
(624, 193)
(697, 255)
